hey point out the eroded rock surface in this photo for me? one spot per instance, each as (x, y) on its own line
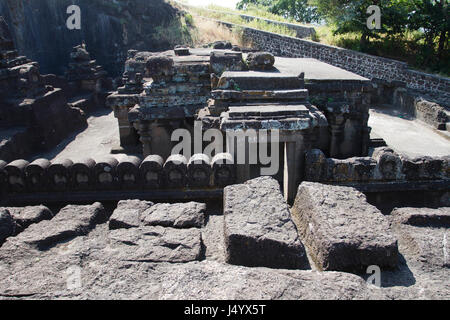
(424, 217)
(128, 213)
(157, 244)
(343, 231)
(181, 215)
(134, 213)
(258, 227)
(26, 216)
(7, 226)
(70, 222)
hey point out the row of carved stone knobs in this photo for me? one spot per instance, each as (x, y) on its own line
(128, 173)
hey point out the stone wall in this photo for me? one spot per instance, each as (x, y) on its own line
(301, 31)
(420, 107)
(362, 64)
(383, 166)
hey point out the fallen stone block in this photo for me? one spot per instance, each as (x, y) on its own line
(136, 213)
(258, 227)
(157, 244)
(72, 221)
(343, 231)
(26, 216)
(422, 217)
(128, 214)
(260, 61)
(179, 215)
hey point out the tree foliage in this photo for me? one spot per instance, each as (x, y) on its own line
(298, 10)
(430, 19)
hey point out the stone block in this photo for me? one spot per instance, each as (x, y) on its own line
(342, 231)
(128, 214)
(26, 216)
(152, 172)
(72, 221)
(422, 217)
(179, 215)
(59, 174)
(258, 227)
(7, 225)
(156, 244)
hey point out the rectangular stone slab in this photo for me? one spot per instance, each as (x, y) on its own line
(342, 231)
(156, 244)
(423, 217)
(258, 227)
(267, 111)
(254, 80)
(72, 221)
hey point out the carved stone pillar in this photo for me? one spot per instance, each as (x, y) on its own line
(143, 128)
(337, 126)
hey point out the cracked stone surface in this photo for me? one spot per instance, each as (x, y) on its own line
(70, 222)
(156, 244)
(148, 262)
(26, 216)
(134, 213)
(439, 217)
(342, 231)
(258, 227)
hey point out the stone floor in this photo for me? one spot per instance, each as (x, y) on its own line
(77, 255)
(408, 136)
(95, 141)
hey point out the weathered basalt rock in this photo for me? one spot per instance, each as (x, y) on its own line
(157, 244)
(136, 213)
(260, 61)
(258, 227)
(26, 216)
(343, 231)
(70, 222)
(7, 225)
(128, 214)
(180, 215)
(423, 217)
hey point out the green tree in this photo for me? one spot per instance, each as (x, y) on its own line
(298, 10)
(432, 16)
(351, 16)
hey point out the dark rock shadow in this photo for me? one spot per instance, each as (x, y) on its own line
(50, 154)
(401, 276)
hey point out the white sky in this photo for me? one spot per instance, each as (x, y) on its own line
(223, 3)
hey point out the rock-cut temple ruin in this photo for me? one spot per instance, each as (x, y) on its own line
(281, 191)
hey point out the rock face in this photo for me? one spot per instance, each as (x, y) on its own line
(70, 222)
(109, 29)
(26, 216)
(157, 244)
(343, 231)
(258, 227)
(7, 226)
(135, 213)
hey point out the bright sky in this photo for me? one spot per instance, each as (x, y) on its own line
(223, 3)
